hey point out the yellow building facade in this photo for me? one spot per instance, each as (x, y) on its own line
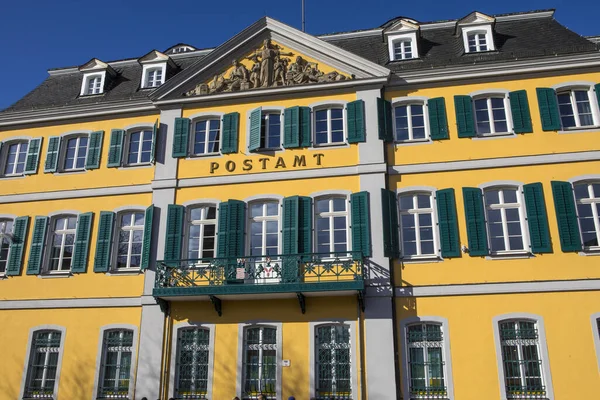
(406, 212)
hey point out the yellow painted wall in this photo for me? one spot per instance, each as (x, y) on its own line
(538, 142)
(80, 346)
(466, 269)
(84, 285)
(569, 335)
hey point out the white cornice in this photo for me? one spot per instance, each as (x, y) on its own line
(345, 35)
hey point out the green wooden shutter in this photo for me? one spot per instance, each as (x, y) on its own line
(305, 127)
(154, 137)
(291, 127)
(361, 232)
(305, 217)
(519, 108)
(236, 222)
(222, 230)
(38, 239)
(147, 241)
(174, 233)
(389, 206)
(597, 90)
(464, 116)
(52, 154)
(92, 160)
(290, 224)
(181, 137)
(115, 148)
(82, 242)
(104, 241)
(548, 109)
(355, 113)
(33, 156)
(384, 119)
(15, 257)
(537, 218)
(229, 138)
(255, 128)
(566, 216)
(448, 223)
(438, 121)
(475, 216)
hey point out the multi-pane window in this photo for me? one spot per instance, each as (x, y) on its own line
(154, 77)
(575, 108)
(416, 225)
(270, 130)
(6, 228)
(403, 50)
(260, 362)
(131, 235)
(75, 153)
(409, 122)
(206, 136)
(16, 155)
(193, 346)
(264, 228)
(43, 365)
(329, 126)
(202, 232)
(587, 196)
(332, 362)
(140, 147)
(521, 359)
(62, 242)
(331, 215)
(94, 85)
(477, 42)
(115, 368)
(490, 115)
(425, 356)
(504, 219)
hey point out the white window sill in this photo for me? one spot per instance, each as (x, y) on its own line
(415, 142)
(503, 135)
(510, 255)
(263, 152)
(203, 156)
(3, 276)
(583, 129)
(124, 272)
(421, 259)
(136, 166)
(12, 177)
(92, 94)
(71, 172)
(590, 252)
(329, 145)
(55, 274)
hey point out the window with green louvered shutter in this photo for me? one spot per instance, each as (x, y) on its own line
(181, 137)
(361, 231)
(155, 130)
(384, 119)
(597, 90)
(174, 232)
(17, 245)
(229, 138)
(291, 127)
(438, 121)
(147, 240)
(355, 114)
(254, 132)
(448, 223)
(548, 109)
(94, 150)
(305, 127)
(305, 218)
(82, 243)
(537, 218)
(33, 156)
(36, 251)
(475, 218)
(115, 149)
(519, 108)
(236, 223)
(391, 241)
(566, 216)
(464, 116)
(104, 241)
(222, 231)
(51, 163)
(290, 224)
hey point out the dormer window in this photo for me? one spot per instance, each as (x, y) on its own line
(96, 75)
(155, 66)
(477, 32)
(402, 37)
(94, 84)
(477, 42)
(154, 77)
(403, 49)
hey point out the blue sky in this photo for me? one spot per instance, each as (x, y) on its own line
(37, 35)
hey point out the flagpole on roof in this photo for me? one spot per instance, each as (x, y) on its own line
(303, 20)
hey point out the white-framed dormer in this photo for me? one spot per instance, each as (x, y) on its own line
(402, 38)
(477, 31)
(155, 66)
(96, 75)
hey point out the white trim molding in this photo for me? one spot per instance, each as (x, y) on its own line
(595, 319)
(584, 178)
(572, 84)
(415, 189)
(201, 202)
(129, 208)
(142, 125)
(110, 302)
(326, 193)
(266, 197)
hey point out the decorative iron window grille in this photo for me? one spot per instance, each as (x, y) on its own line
(43, 365)
(193, 346)
(115, 369)
(333, 366)
(260, 362)
(425, 344)
(521, 360)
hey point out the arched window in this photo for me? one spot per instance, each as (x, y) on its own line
(139, 146)
(417, 231)
(426, 360)
(331, 224)
(587, 197)
(130, 238)
(329, 125)
(505, 219)
(62, 241)
(264, 228)
(577, 107)
(14, 157)
(115, 367)
(409, 121)
(207, 136)
(74, 152)
(192, 366)
(260, 363)
(333, 362)
(491, 115)
(6, 230)
(43, 364)
(202, 227)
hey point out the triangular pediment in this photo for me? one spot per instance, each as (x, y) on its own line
(94, 65)
(269, 55)
(476, 18)
(403, 25)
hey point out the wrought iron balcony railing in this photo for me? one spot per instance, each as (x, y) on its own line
(282, 273)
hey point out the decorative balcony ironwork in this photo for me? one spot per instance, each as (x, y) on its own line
(284, 273)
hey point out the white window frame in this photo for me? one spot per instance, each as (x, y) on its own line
(409, 35)
(207, 117)
(328, 107)
(189, 223)
(86, 81)
(6, 235)
(32, 331)
(116, 231)
(414, 190)
(264, 116)
(595, 213)
(63, 151)
(147, 68)
(488, 94)
(542, 346)
(4, 156)
(593, 99)
(127, 142)
(449, 380)
(595, 320)
(485, 29)
(400, 49)
(330, 215)
(408, 101)
(48, 242)
(264, 219)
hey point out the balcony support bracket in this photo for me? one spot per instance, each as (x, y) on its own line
(217, 303)
(302, 302)
(361, 300)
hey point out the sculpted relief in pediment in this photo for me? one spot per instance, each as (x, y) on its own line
(270, 66)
